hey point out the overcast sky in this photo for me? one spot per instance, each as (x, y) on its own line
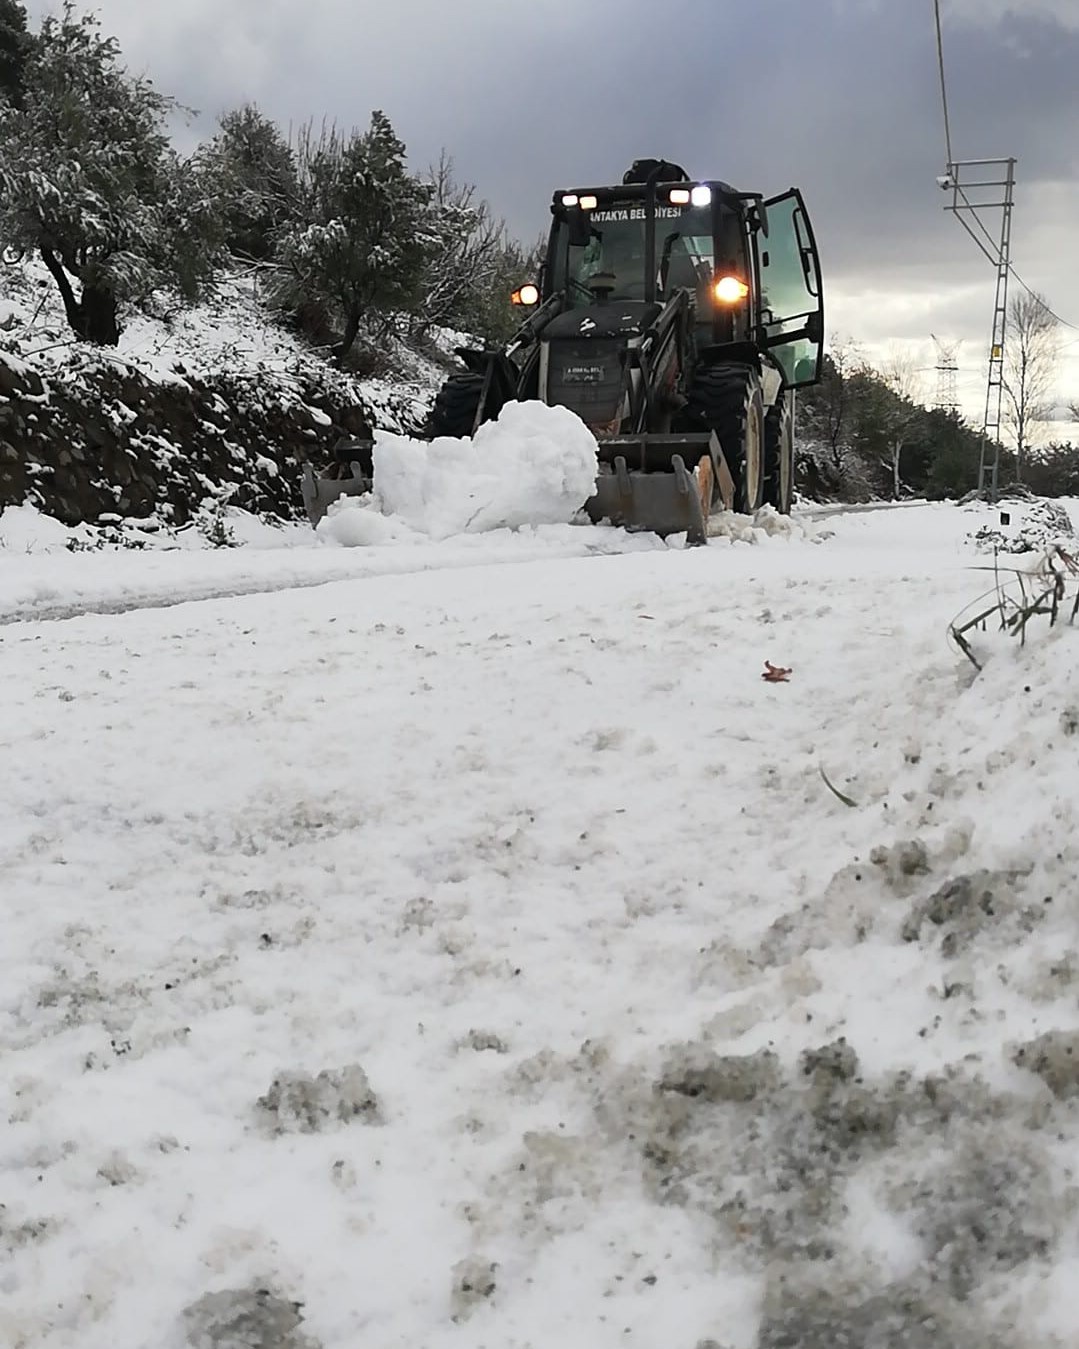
(838, 97)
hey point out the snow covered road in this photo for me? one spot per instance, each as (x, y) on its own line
(629, 1031)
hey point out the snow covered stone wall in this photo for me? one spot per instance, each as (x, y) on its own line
(216, 402)
(110, 441)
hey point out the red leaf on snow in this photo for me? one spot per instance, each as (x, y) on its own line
(776, 674)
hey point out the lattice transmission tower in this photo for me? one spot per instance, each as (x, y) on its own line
(947, 399)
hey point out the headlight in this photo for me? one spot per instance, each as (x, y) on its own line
(526, 295)
(730, 290)
(701, 195)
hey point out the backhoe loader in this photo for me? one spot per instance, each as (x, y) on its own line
(676, 317)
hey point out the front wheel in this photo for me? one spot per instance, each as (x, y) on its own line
(779, 453)
(727, 399)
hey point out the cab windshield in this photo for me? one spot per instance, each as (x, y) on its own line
(613, 265)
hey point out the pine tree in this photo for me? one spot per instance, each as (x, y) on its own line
(89, 180)
(367, 232)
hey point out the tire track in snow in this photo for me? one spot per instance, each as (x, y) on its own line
(47, 612)
(53, 612)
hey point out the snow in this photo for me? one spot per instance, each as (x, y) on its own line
(230, 334)
(533, 466)
(461, 948)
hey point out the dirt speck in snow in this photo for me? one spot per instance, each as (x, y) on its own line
(697, 1072)
(299, 1103)
(473, 1284)
(246, 1318)
(969, 905)
(1054, 1056)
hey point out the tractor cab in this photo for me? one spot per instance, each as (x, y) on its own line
(747, 266)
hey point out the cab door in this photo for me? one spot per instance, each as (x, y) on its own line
(792, 304)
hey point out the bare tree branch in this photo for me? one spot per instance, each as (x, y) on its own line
(1030, 363)
(899, 373)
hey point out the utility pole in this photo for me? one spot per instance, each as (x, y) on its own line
(978, 185)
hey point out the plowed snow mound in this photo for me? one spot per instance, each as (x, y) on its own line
(535, 465)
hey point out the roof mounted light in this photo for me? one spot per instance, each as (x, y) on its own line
(679, 196)
(570, 199)
(701, 195)
(589, 203)
(526, 295)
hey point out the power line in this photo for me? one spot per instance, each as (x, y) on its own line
(994, 256)
(943, 86)
(973, 209)
(1034, 295)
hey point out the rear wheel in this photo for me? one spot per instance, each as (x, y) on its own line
(779, 453)
(456, 405)
(727, 399)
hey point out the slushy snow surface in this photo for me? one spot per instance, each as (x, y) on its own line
(534, 466)
(469, 952)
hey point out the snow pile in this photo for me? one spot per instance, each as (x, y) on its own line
(535, 465)
(1024, 525)
(767, 524)
(27, 530)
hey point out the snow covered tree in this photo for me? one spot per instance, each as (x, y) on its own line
(497, 319)
(14, 50)
(902, 412)
(88, 179)
(826, 408)
(476, 267)
(367, 231)
(256, 174)
(461, 270)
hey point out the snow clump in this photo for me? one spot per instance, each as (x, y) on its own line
(534, 465)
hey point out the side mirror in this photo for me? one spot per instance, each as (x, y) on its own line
(580, 229)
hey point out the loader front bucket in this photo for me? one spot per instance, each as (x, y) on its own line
(663, 484)
(319, 492)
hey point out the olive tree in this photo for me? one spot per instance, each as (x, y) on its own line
(88, 179)
(364, 232)
(254, 168)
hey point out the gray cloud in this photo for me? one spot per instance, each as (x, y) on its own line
(839, 96)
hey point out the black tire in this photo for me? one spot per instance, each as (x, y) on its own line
(456, 405)
(779, 453)
(727, 399)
